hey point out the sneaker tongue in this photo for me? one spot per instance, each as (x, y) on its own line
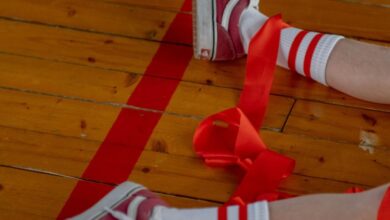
(147, 207)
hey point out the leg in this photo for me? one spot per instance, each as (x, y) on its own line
(361, 70)
(358, 69)
(130, 201)
(359, 206)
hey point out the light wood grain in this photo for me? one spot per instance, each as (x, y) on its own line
(350, 18)
(64, 116)
(342, 124)
(67, 67)
(362, 19)
(172, 5)
(42, 196)
(92, 15)
(129, 56)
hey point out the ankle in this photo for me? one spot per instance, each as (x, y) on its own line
(251, 20)
(301, 51)
(157, 213)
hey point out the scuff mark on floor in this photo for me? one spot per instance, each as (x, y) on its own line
(368, 141)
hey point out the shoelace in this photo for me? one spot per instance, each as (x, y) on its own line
(132, 209)
(117, 214)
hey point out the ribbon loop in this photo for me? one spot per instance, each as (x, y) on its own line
(237, 140)
(236, 201)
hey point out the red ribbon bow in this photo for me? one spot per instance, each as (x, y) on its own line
(231, 136)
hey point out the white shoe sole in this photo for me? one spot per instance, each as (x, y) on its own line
(111, 200)
(205, 29)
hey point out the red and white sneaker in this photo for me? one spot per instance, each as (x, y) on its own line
(128, 201)
(216, 28)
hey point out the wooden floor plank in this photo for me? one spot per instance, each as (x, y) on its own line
(76, 47)
(93, 120)
(350, 18)
(128, 56)
(42, 196)
(364, 128)
(92, 15)
(172, 5)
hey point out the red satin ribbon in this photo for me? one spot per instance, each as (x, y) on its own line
(231, 136)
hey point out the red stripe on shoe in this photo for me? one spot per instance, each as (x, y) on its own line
(222, 213)
(243, 212)
(292, 57)
(124, 143)
(309, 54)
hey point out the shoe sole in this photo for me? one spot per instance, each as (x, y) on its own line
(111, 200)
(204, 29)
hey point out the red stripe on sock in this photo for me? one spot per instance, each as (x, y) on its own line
(294, 50)
(124, 143)
(222, 213)
(243, 212)
(309, 54)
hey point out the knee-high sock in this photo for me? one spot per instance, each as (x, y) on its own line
(304, 52)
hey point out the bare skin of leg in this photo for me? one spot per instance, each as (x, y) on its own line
(361, 70)
(359, 206)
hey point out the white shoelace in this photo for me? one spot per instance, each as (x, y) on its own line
(132, 210)
(118, 215)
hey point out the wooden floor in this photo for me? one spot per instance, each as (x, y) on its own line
(68, 66)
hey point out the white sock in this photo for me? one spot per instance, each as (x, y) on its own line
(254, 211)
(310, 63)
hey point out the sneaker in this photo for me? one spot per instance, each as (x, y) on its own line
(128, 201)
(216, 30)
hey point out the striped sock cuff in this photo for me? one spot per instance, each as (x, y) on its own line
(258, 211)
(321, 56)
(254, 211)
(306, 53)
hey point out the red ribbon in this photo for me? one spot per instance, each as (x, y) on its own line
(231, 137)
